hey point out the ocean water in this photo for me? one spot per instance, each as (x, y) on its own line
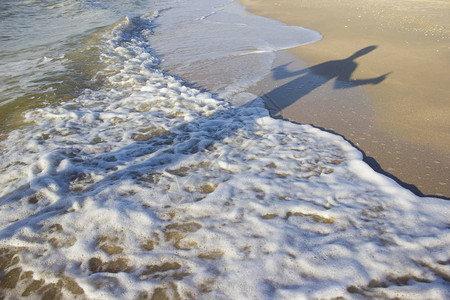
(120, 180)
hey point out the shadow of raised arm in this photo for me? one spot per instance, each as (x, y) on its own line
(342, 83)
(281, 72)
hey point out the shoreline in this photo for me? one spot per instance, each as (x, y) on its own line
(408, 138)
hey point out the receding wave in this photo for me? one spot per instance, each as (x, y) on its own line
(144, 187)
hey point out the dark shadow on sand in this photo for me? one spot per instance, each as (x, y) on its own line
(166, 150)
(313, 78)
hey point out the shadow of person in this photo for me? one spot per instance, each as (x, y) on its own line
(138, 161)
(314, 77)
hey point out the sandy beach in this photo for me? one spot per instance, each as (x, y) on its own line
(390, 100)
(140, 163)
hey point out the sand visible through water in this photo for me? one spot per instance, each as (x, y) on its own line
(124, 181)
(401, 121)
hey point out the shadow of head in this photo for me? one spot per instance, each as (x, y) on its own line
(362, 52)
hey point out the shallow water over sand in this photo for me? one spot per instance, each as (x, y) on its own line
(141, 186)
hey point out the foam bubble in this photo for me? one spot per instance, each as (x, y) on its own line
(150, 188)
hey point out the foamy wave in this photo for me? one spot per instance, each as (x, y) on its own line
(149, 188)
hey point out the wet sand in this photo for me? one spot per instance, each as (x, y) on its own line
(400, 120)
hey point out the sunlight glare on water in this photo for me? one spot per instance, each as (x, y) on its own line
(125, 182)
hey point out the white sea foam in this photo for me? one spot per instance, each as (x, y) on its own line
(148, 187)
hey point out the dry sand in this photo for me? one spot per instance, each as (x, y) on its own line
(402, 121)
